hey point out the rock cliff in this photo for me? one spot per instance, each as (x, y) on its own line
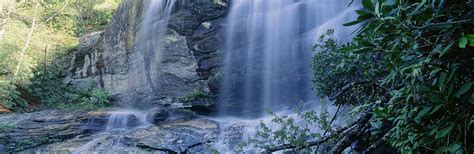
(190, 55)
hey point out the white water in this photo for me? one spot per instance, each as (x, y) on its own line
(149, 38)
(123, 120)
(268, 51)
(118, 123)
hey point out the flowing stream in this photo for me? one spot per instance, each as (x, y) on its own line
(112, 139)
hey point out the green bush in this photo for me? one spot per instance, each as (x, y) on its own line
(50, 90)
(411, 65)
(295, 130)
(9, 96)
(196, 94)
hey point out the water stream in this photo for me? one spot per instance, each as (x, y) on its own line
(112, 138)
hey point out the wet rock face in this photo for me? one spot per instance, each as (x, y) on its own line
(184, 136)
(157, 116)
(58, 131)
(191, 54)
(233, 136)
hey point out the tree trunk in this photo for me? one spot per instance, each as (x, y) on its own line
(28, 40)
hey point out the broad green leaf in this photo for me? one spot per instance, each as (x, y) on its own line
(368, 5)
(463, 42)
(466, 87)
(470, 36)
(433, 97)
(455, 148)
(355, 22)
(441, 80)
(437, 107)
(442, 133)
(423, 113)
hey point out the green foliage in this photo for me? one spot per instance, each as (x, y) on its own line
(58, 24)
(9, 96)
(404, 65)
(293, 130)
(465, 39)
(48, 87)
(196, 94)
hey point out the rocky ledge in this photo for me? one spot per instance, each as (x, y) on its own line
(166, 130)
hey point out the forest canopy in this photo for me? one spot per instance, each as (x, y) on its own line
(34, 35)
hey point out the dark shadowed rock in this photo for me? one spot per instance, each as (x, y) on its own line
(157, 115)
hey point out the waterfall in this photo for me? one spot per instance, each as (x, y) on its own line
(125, 120)
(268, 51)
(149, 38)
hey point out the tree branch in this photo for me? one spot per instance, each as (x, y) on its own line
(310, 143)
(362, 121)
(378, 142)
(354, 133)
(345, 88)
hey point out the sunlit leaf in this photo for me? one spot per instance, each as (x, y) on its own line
(463, 42)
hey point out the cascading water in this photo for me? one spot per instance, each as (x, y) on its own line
(149, 44)
(150, 39)
(268, 50)
(119, 121)
(125, 120)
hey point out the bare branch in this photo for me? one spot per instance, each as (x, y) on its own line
(354, 133)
